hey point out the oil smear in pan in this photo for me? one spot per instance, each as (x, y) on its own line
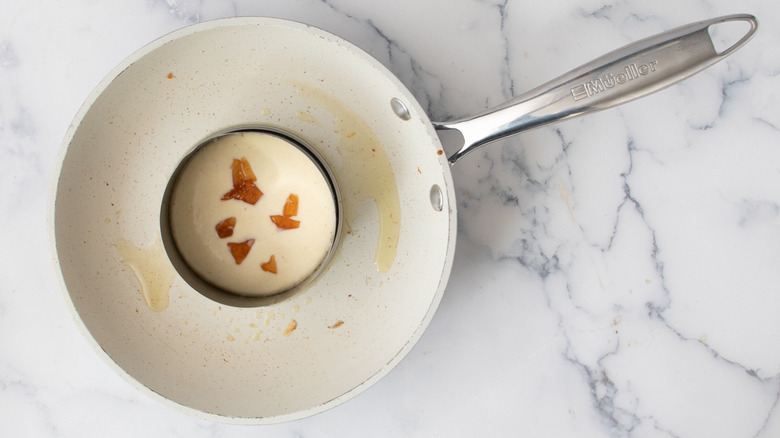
(371, 175)
(152, 269)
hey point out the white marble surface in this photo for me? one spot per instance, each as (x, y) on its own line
(615, 275)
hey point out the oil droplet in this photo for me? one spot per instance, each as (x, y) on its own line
(152, 269)
(266, 111)
(290, 328)
(256, 336)
(373, 179)
(305, 117)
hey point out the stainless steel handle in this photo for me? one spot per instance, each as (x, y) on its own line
(631, 72)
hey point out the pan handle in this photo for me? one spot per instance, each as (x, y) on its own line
(631, 72)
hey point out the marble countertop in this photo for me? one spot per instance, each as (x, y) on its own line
(615, 275)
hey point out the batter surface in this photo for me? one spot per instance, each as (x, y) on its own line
(252, 214)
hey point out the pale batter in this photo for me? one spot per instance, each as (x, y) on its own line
(230, 242)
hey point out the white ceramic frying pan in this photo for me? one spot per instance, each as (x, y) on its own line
(230, 358)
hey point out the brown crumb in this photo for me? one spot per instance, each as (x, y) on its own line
(337, 324)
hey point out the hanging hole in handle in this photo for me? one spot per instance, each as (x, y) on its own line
(729, 35)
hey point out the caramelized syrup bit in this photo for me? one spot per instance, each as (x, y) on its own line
(244, 188)
(246, 191)
(270, 265)
(291, 206)
(241, 249)
(242, 171)
(225, 228)
(285, 222)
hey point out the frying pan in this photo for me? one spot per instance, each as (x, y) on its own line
(238, 359)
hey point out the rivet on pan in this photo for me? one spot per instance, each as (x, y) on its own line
(400, 109)
(437, 200)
